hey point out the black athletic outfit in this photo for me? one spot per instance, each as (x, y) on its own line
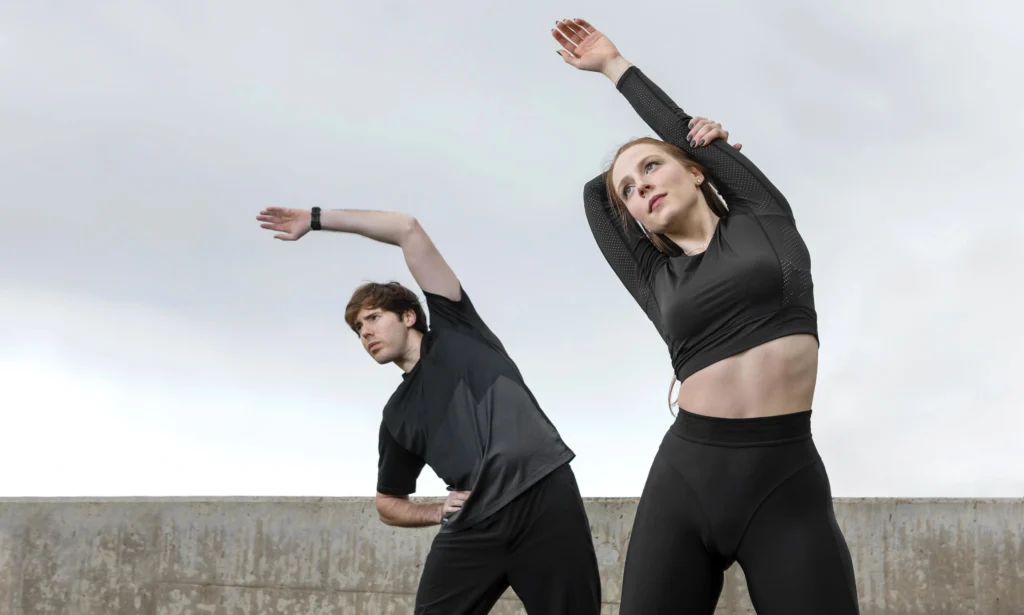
(752, 491)
(465, 411)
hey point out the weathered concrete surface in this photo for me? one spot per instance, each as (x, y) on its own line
(293, 556)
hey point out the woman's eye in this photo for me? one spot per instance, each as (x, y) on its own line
(647, 167)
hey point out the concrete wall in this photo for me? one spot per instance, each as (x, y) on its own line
(243, 556)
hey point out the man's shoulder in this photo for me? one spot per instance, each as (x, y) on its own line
(398, 397)
(442, 342)
(449, 339)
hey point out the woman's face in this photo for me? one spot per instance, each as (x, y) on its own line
(656, 188)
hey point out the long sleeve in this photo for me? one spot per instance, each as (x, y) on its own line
(632, 256)
(740, 183)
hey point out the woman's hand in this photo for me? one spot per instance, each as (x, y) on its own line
(703, 131)
(585, 48)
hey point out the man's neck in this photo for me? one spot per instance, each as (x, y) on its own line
(411, 356)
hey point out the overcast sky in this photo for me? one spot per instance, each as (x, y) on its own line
(155, 341)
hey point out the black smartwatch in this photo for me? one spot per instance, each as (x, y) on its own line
(314, 220)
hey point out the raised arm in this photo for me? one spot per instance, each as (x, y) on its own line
(738, 180)
(425, 262)
(629, 252)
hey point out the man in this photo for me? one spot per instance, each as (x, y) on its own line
(514, 515)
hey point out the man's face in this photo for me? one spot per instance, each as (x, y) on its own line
(384, 334)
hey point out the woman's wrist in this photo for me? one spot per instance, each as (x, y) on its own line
(614, 68)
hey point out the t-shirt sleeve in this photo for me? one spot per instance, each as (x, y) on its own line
(741, 184)
(459, 315)
(397, 469)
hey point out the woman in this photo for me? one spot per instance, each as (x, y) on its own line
(728, 286)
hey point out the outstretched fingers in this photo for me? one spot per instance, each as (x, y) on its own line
(282, 230)
(566, 44)
(583, 23)
(276, 214)
(276, 219)
(572, 31)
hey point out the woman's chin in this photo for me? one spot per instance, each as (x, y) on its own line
(656, 228)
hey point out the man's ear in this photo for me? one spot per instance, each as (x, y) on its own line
(409, 318)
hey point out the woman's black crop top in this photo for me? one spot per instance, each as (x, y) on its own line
(753, 282)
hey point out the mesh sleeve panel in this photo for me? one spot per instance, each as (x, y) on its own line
(630, 254)
(797, 284)
(739, 182)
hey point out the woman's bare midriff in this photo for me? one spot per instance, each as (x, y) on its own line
(775, 378)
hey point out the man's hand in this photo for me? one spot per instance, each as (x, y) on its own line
(454, 501)
(291, 224)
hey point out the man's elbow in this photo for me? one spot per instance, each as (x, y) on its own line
(382, 514)
(411, 228)
(383, 510)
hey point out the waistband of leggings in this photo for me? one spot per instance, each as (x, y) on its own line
(756, 431)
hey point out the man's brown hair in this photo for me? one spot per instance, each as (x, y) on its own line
(390, 297)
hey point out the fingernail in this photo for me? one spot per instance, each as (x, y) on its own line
(702, 141)
(693, 144)
(690, 125)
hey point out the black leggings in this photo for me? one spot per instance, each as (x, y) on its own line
(752, 491)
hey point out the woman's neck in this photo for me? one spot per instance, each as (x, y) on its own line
(693, 231)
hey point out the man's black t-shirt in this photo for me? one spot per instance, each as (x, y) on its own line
(465, 411)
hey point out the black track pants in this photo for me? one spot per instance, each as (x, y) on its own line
(540, 544)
